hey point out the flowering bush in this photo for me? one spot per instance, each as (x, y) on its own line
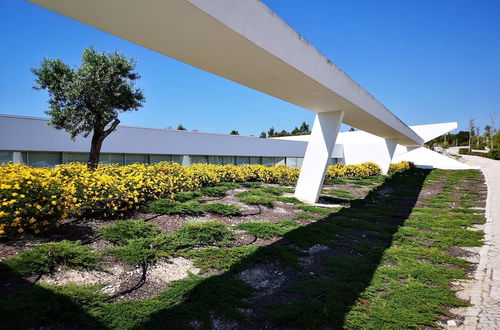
(400, 167)
(35, 199)
(30, 199)
(361, 170)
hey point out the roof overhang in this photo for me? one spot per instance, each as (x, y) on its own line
(245, 42)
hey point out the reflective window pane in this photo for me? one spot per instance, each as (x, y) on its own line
(177, 159)
(229, 160)
(217, 160)
(279, 161)
(268, 161)
(255, 160)
(135, 159)
(81, 157)
(159, 158)
(242, 160)
(44, 159)
(5, 156)
(199, 159)
(291, 162)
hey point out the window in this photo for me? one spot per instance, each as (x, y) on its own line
(153, 159)
(229, 160)
(217, 160)
(44, 159)
(199, 159)
(299, 162)
(242, 160)
(136, 159)
(111, 159)
(268, 161)
(70, 157)
(291, 161)
(333, 161)
(279, 161)
(177, 159)
(255, 160)
(5, 156)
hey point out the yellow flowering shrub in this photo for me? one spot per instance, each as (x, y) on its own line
(34, 199)
(400, 167)
(30, 199)
(362, 170)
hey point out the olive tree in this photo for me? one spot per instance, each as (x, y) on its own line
(89, 98)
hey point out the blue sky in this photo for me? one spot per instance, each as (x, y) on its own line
(426, 60)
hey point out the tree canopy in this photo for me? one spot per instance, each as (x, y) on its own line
(89, 98)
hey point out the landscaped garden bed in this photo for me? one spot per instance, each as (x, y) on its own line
(241, 252)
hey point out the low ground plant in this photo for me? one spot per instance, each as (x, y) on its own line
(130, 229)
(268, 230)
(168, 206)
(45, 258)
(226, 210)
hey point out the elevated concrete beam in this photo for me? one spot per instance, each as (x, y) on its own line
(245, 42)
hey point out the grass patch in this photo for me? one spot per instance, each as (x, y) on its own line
(168, 206)
(306, 216)
(196, 234)
(226, 210)
(251, 184)
(218, 191)
(340, 193)
(318, 210)
(45, 258)
(130, 229)
(257, 200)
(267, 230)
(186, 196)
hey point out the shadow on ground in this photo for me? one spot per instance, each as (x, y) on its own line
(336, 258)
(310, 278)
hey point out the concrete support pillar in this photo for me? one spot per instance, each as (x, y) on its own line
(186, 160)
(391, 148)
(319, 149)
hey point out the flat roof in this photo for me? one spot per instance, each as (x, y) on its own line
(243, 41)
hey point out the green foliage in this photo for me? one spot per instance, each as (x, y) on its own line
(186, 196)
(230, 185)
(219, 258)
(306, 216)
(340, 193)
(257, 200)
(218, 191)
(88, 98)
(318, 210)
(144, 250)
(267, 229)
(226, 210)
(291, 200)
(130, 229)
(195, 234)
(251, 184)
(44, 258)
(168, 206)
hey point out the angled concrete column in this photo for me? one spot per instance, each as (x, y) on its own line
(319, 149)
(391, 148)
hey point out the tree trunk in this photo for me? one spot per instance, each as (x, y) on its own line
(95, 149)
(97, 139)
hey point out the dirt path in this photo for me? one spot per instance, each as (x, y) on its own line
(484, 290)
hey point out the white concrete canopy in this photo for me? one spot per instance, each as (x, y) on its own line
(244, 41)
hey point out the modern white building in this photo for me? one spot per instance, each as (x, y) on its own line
(46, 146)
(244, 41)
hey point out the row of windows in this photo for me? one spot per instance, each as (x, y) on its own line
(51, 159)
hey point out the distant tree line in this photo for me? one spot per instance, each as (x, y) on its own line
(474, 137)
(303, 129)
